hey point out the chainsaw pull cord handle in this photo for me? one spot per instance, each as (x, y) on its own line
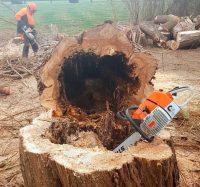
(183, 89)
(135, 125)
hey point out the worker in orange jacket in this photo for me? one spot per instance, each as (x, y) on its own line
(25, 24)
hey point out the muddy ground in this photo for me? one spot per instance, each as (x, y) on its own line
(176, 68)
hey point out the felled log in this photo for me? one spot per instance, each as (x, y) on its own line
(185, 39)
(152, 32)
(168, 22)
(185, 24)
(47, 164)
(172, 44)
(4, 90)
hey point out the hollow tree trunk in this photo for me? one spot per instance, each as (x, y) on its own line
(51, 165)
(99, 59)
(85, 81)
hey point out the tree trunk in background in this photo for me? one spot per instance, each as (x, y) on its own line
(148, 9)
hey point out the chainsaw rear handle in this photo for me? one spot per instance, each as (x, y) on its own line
(135, 123)
(121, 115)
(183, 89)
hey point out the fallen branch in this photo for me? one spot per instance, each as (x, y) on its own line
(27, 70)
(11, 76)
(17, 73)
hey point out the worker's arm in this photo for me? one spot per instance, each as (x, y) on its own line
(20, 17)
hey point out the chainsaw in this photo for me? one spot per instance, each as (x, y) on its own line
(30, 36)
(153, 115)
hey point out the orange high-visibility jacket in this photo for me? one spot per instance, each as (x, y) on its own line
(26, 17)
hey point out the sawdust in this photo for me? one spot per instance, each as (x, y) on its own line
(86, 139)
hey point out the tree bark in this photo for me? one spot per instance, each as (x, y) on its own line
(51, 165)
(184, 25)
(151, 31)
(197, 22)
(168, 21)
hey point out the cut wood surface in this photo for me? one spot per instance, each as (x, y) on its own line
(172, 44)
(47, 164)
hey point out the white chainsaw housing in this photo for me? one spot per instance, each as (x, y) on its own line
(158, 119)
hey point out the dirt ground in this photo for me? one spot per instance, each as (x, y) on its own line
(180, 68)
(176, 68)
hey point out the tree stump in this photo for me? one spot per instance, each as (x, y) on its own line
(85, 81)
(47, 164)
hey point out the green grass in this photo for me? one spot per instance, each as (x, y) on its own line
(70, 18)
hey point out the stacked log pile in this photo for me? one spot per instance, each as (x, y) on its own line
(172, 32)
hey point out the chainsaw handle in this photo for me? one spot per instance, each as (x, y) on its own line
(122, 114)
(182, 89)
(135, 125)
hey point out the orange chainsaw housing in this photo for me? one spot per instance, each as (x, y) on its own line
(157, 98)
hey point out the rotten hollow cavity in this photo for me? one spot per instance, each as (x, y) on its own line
(96, 87)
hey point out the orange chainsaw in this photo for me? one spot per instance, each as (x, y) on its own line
(150, 117)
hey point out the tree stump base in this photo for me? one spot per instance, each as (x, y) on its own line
(48, 164)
